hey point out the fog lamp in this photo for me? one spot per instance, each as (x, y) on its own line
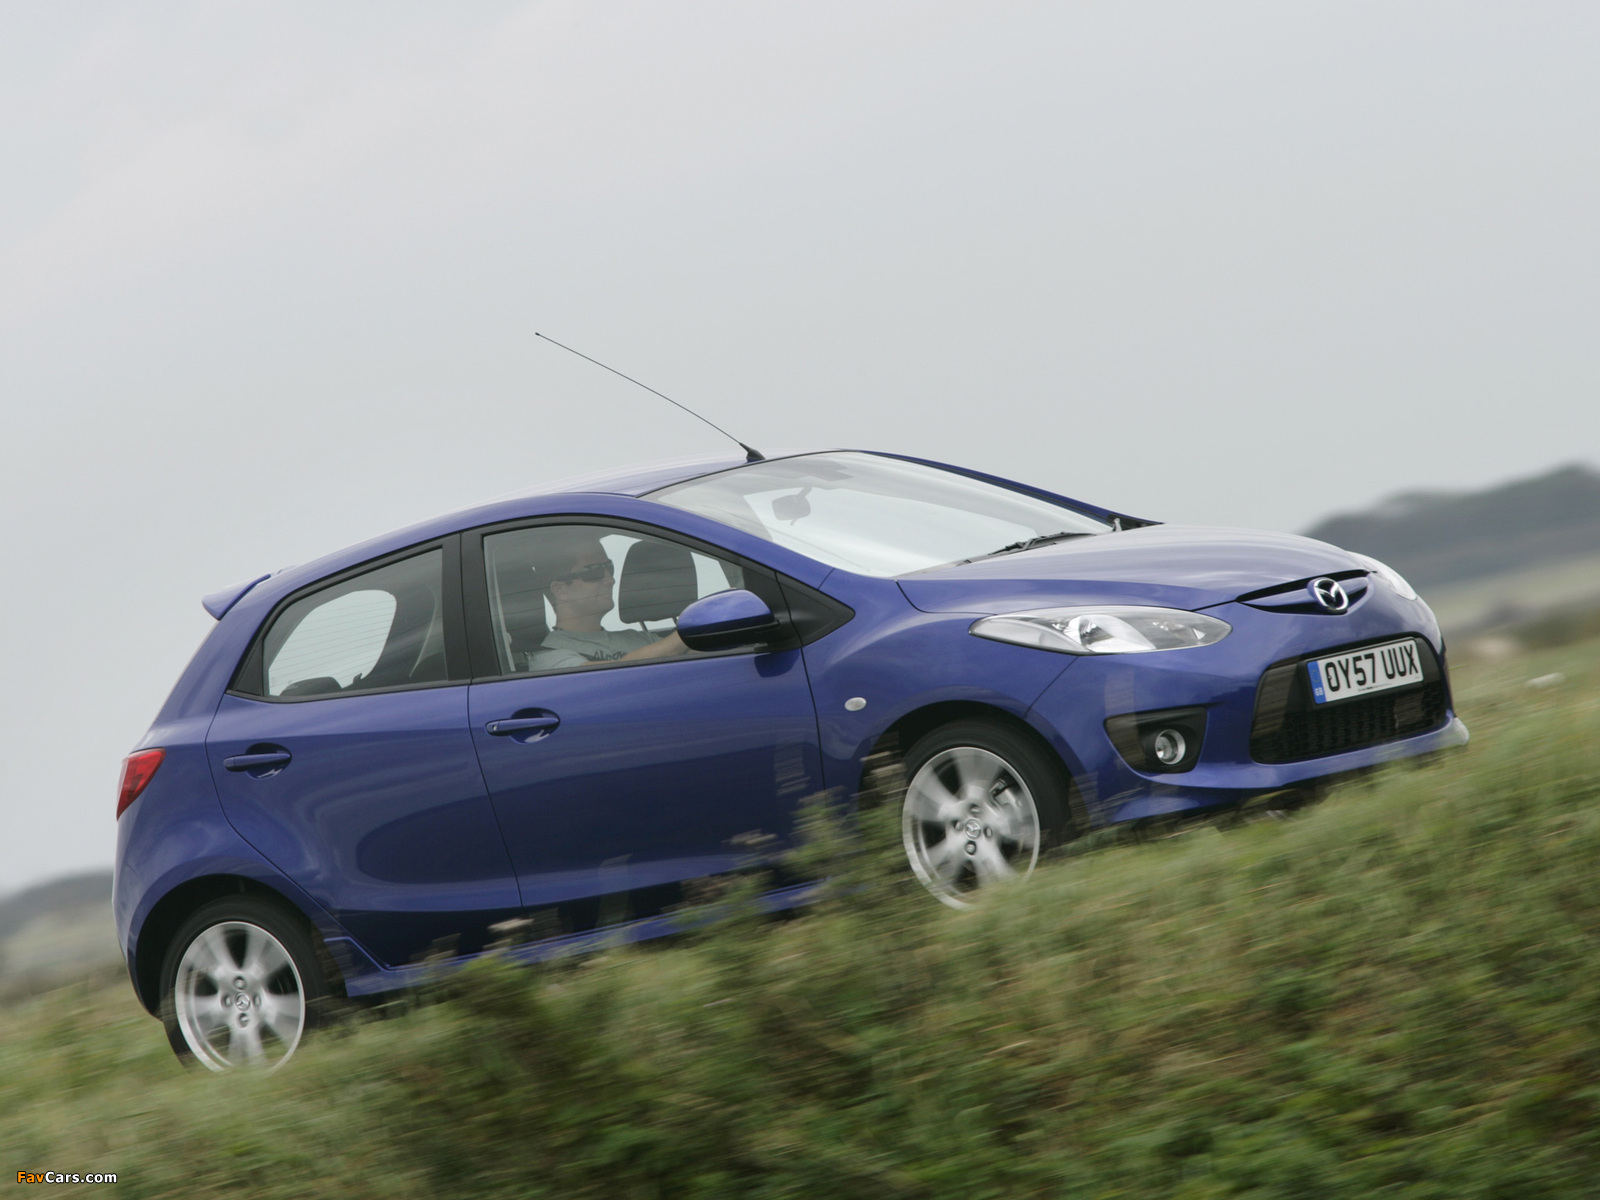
(1162, 741)
(1169, 747)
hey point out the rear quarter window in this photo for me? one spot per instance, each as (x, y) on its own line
(381, 629)
(340, 639)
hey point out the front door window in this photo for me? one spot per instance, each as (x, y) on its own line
(568, 597)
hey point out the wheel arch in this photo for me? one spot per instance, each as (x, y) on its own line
(161, 924)
(904, 733)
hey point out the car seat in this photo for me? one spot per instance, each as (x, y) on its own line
(522, 610)
(402, 661)
(658, 582)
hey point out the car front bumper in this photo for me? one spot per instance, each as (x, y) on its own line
(1224, 679)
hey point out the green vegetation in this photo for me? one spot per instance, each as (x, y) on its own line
(1506, 603)
(1559, 627)
(1394, 993)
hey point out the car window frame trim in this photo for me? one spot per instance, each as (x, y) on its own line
(456, 651)
(479, 616)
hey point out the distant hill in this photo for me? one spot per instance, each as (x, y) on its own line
(1439, 538)
(56, 931)
(68, 893)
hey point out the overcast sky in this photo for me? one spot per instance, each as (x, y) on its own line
(269, 276)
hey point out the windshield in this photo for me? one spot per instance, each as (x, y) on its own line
(875, 515)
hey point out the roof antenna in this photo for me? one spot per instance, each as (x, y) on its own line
(751, 455)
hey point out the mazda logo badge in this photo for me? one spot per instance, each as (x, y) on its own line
(1328, 594)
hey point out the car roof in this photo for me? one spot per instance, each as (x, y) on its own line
(634, 481)
(640, 478)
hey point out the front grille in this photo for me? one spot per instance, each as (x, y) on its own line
(1295, 596)
(1290, 727)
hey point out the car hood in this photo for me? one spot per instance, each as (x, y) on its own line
(1181, 566)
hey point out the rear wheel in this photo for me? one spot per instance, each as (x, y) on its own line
(982, 802)
(241, 985)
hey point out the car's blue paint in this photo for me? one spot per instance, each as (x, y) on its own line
(658, 773)
(725, 619)
(176, 834)
(380, 816)
(400, 821)
(1223, 678)
(899, 659)
(1179, 566)
(218, 603)
(154, 839)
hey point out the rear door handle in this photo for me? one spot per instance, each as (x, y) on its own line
(247, 762)
(512, 725)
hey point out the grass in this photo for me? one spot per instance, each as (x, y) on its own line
(1392, 994)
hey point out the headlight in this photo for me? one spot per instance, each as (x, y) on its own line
(1111, 629)
(1388, 574)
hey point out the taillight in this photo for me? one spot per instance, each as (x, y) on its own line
(138, 769)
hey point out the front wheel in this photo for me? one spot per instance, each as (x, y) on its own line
(981, 803)
(240, 986)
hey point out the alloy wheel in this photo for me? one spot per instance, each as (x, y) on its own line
(239, 998)
(969, 822)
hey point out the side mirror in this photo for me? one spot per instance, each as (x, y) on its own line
(725, 620)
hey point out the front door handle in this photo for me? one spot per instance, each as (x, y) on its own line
(539, 725)
(263, 763)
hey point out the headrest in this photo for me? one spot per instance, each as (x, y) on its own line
(658, 582)
(522, 607)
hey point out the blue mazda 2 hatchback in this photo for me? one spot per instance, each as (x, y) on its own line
(549, 715)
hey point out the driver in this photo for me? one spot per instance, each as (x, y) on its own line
(579, 579)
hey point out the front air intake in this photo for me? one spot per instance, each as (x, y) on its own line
(1290, 726)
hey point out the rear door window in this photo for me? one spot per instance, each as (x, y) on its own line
(380, 629)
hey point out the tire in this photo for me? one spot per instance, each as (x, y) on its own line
(241, 985)
(981, 803)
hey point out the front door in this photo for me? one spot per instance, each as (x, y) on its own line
(620, 765)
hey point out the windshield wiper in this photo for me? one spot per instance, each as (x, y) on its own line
(1043, 539)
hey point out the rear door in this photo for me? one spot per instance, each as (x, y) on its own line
(343, 755)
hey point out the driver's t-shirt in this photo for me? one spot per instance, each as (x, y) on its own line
(567, 648)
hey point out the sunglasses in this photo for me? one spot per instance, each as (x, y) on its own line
(592, 573)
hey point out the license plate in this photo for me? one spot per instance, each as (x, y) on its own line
(1362, 672)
